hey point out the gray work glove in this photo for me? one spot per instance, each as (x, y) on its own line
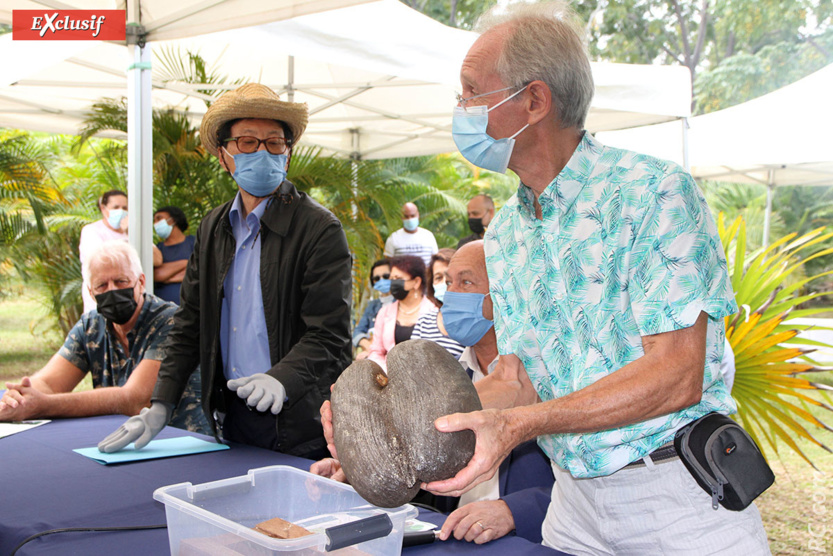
(140, 428)
(260, 391)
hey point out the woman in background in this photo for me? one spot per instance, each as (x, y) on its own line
(380, 282)
(395, 322)
(170, 223)
(430, 325)
(111, 226)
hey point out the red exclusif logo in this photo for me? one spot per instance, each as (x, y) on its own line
(68, 25)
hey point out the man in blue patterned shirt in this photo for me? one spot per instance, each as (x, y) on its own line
(610, 286)
(118, 343)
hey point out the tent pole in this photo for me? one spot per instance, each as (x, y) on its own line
(770, 192)
(290, 79)
(354, 168)
(140, 144)
(686, 162)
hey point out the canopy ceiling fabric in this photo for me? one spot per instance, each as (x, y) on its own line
(379, 79)
(176, 19)
(781, 138)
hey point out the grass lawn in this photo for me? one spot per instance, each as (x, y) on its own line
(25, 346)
(797, 510)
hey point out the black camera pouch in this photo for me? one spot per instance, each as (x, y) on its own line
(724, 460)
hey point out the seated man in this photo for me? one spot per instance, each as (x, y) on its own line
(118, 343)
(517, 497)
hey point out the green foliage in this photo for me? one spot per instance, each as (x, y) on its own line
(749, 202)
(745, 76)
(367, 197)
(739, 78)
(695, 33)
(648, 31)
(42, 208)
(185, 174)
(456, 13)
(189, 67)
(767, 388)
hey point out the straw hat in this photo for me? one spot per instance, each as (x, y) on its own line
(251, 100)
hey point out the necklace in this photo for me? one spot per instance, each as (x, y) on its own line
(411, 312)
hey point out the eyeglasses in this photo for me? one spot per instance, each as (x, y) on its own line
(120, 283)
(462, 100)
(247, 144)
(377, 277)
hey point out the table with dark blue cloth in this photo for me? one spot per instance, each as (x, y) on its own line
(47, 486)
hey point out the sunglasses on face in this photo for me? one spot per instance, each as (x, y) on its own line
(376, 277)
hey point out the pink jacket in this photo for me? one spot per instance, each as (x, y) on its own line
(383, 331)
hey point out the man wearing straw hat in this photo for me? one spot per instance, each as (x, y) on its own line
(266, 296)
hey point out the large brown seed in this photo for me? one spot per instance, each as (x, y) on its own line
(384, 425)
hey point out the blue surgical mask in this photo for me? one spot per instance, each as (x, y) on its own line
(463, 317)
(439, 291)
(468, 128)
(411, 224)
(163, 229)
(259, 173)
(382, 286)
(115, 218)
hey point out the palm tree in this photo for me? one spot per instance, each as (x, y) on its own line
(366, 196)
(770, 362)
(46, 198)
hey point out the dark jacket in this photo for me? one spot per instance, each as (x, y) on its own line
(305, 275)
(467, 239)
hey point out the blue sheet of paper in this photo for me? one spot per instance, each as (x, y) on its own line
(156, 449)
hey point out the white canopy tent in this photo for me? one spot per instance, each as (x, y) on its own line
(176, 19)
(150, 20)
(379, 79)
(781, 138)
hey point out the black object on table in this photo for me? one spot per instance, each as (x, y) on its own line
(47, 486)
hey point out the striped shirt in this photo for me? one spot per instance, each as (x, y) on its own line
(427, 329)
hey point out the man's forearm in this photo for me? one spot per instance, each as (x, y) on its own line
(656, 384)
(100, 401)
(666, 378)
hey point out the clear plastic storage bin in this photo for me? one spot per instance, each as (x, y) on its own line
(217, 518)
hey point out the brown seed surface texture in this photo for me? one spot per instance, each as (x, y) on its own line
(384, 429)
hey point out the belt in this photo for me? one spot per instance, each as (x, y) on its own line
(664, 453)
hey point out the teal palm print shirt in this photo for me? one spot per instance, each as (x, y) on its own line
(626, 247)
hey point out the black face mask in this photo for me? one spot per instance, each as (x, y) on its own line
(397, 289)
(476, 225)
(117, 306)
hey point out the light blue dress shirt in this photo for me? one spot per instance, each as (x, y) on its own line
(243, 337)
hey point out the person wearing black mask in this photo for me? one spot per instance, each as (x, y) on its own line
(395, 321)
(119, 343)
(481, 210)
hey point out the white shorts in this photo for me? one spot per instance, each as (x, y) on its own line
(644, 511)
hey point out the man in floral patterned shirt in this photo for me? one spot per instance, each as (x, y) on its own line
(610, 286)
(119, 344)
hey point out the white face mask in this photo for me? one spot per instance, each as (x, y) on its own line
(468, 128)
